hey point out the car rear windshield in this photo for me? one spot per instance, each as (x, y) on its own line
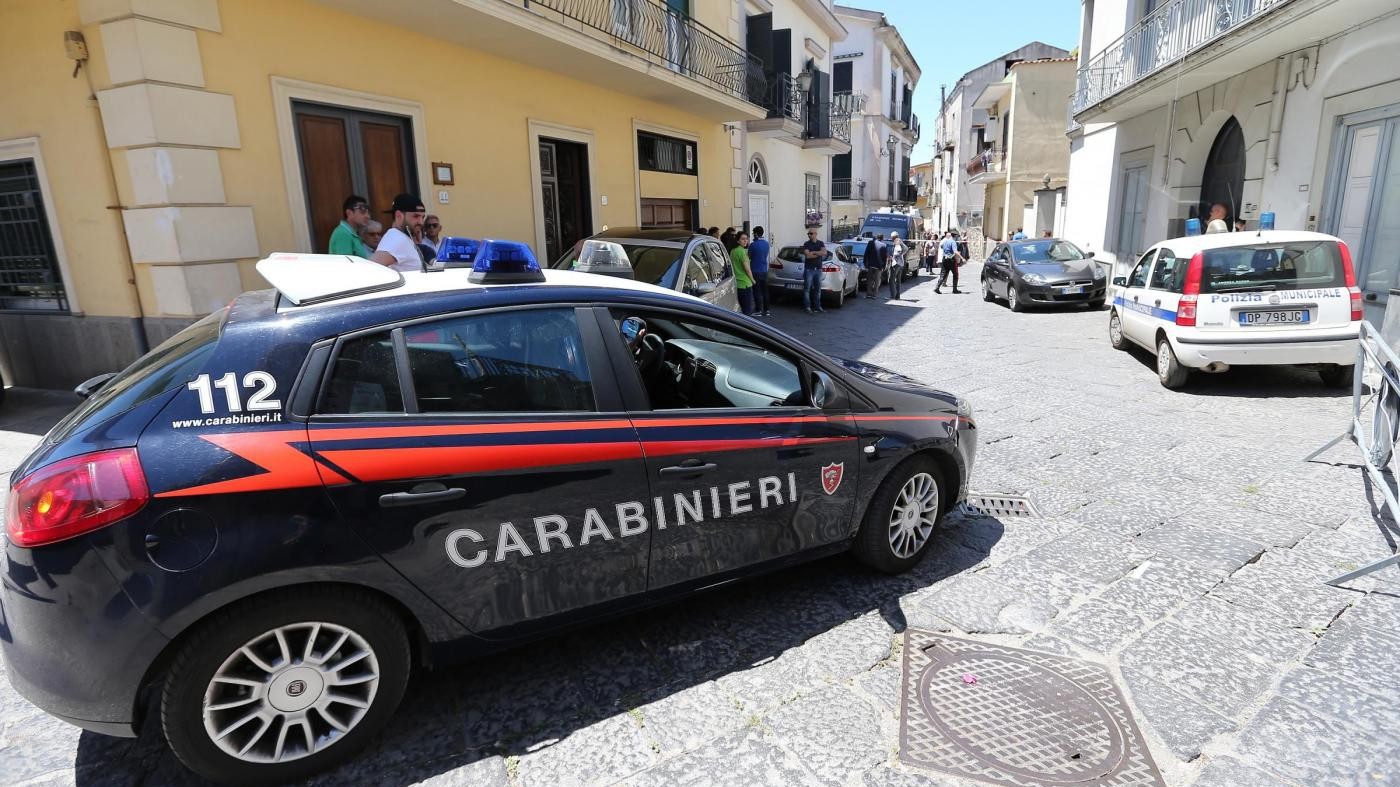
(169, 366)
(1047, 251)
(1275, 266)
(890, 221)
(650, 264)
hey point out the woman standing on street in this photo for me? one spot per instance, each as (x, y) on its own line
(743, 274)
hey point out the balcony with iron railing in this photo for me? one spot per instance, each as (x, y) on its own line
(1186, 45)
(847, 188)
(639, 48)
(990, 162)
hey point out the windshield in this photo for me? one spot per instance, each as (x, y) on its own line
(1287, 266)
(167, 367)
(650, 264)
(1047, 251)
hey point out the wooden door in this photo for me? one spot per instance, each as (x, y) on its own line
(348, 151)
(666, 213)
(325, 163)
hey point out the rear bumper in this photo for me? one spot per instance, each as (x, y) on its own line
(1196, 352)
(73, 644)
(786, 280)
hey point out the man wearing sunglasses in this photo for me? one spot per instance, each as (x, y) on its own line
(345, 238)
(432, 230)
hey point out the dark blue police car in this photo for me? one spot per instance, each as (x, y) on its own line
(262, 526)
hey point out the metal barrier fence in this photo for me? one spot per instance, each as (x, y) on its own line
(1375, 426)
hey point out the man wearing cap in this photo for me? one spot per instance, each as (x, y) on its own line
(397, 249)
(345, 238)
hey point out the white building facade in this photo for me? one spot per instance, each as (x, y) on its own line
(963, 135)
(787, 156)
(875, 67)
(1287, 107)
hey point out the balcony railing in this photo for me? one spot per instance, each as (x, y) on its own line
(782, 98)
(989, 160)
(914, 126)
(1171, 32)
(648, 29)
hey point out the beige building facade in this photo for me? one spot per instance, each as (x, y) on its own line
(1025, 169)
(152, 150)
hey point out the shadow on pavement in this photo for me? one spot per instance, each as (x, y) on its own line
(529, 698)
(1281, 382)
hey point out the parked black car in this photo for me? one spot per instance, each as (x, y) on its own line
(1046, 271)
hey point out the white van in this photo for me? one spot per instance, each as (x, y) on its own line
(1243, 298)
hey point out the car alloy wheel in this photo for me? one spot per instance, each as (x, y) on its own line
(1169, 370)
(1115, 332)
(1013, 299)
(914, 515)
(290, 692)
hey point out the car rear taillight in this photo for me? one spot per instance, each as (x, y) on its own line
(1190, 292)
(776, 264)
(75, 496)
(1350, 272)
(830, 268)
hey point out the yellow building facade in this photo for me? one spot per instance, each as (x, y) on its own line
(153, 150)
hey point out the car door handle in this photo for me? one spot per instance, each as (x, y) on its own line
(688, 467)
(1157, 302)
(1135, 298)
(420, 494)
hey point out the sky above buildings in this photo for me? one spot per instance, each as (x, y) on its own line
(951, 37)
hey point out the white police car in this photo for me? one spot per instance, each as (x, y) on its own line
(1211, 302)
(264, 525)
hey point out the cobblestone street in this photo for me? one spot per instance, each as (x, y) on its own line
(1180, 541)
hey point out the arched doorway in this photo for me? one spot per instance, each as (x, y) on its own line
(1223, 178)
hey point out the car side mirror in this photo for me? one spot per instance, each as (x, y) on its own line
(89, 386)
(1120, 281)
(823, 390)
(1089, 256)
(705, 287)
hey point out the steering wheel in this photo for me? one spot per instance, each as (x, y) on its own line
(651, 351)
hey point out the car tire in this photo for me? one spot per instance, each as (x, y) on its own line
(1169, 370)
(840, 299)
(1013, 298)
(1116, 339)
(1338, 376)
(901, 519)
(987, 290)
(345, 624)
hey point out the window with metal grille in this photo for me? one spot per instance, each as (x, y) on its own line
(814, 192)
(657, 153)
(29, 277)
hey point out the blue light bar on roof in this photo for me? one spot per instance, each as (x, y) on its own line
(502, 261)
(457, 250)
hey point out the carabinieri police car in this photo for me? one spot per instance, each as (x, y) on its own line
(266, 522)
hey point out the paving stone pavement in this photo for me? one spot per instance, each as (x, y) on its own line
(1184, 546)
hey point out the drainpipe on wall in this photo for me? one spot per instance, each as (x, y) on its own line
(143, 344)
(1283, 66)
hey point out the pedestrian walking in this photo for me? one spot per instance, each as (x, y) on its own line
(951, 259)
(813, 255)
(875, 256)
(397, 249)
(743, 274)
(345, 238)
(758, 265)
(897, 254)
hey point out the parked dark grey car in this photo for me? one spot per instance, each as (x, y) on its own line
(678, 260)
(1045, 271)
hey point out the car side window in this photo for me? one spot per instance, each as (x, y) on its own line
(719, 261)
(698, 270)
(687, 364)
(1139, 275)
(1169, 272)
(364, 378)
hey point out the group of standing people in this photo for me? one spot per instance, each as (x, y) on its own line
(410, 244)
(948, 254)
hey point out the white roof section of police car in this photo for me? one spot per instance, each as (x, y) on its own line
(1187, 246)
(319, 285)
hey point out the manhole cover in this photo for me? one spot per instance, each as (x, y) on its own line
(1017, 717)
(999, 506)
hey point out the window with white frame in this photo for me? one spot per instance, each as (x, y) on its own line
(758, 175)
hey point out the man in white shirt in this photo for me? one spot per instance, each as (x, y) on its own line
(397, 249)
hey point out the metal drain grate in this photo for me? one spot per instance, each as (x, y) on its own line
(1016, 717)
(999, 505)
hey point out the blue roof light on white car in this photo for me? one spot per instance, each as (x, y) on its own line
(505, 261)
(457, 252)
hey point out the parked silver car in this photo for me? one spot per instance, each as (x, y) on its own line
(840, 273)
(675, 259)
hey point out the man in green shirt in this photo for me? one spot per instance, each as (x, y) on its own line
(743, 274)
(345, 239)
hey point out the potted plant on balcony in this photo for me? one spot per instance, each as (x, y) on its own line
(814, 218)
